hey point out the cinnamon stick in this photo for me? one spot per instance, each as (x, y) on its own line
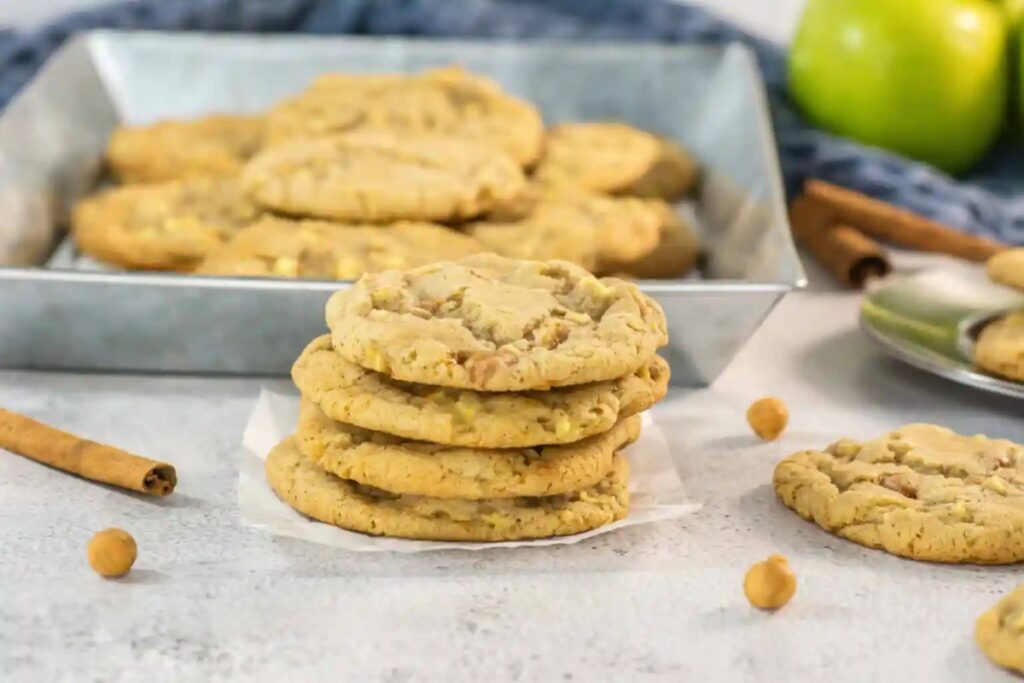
(95, 461)
(844, 251)
(897, 225)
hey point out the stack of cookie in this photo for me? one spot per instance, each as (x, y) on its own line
(360, 173)
(484, 399)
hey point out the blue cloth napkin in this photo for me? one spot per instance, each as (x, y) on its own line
(988, 202)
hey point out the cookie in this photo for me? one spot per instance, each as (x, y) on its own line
(217, 145)
(999, 632)
(321, 250)
(327, 498)
(1007, 268)
(584, 229)
(449, 101)
(495, 324)
(922, 492)
(600, 157)
(1000, 347)
(164, 226)
(675, 254)
(381, 176)
(350, 393)
(671, 176)
(399, 465)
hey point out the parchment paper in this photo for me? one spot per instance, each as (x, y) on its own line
(657, 492)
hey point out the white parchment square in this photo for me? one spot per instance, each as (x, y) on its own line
(656, 490)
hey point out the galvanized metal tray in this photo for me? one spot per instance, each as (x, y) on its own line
(52, 136)
(931, 319)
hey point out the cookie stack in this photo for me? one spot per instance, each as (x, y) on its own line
(484, 399)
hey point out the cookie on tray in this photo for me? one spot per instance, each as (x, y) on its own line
(449, 101)
(322, 250)
(303, 485)
(496, 324)
(922, 492)
(674, 256)
(381, 175)
(398, 465)
(599, 157)
(1007, 268)
(163, 226)
(672, 176)
(999, 632)
(458, 417)
(1000, 347)
(217, 145)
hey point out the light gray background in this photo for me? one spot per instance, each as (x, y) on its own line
(773, 18)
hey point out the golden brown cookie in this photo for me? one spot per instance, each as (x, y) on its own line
(216, 145)
(399, 465)
(380, 176)
(999, 632)
(1000, 347)
(599, 157)
(165, 226)
(322, 250)
(327, 498)
(922, 492)
(495, 324)
(1007, 268)
(672, 176)
(448, 101)
(675, 254)
(350, 393)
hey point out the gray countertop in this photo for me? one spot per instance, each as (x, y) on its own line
(210, 599)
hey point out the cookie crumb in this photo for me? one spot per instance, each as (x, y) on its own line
(768, 417)
(112, 552)
(770, 584)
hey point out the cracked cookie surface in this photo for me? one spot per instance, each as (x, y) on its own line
(352, 394)
(449, 100)
(327, 498)
(164, 226)
(321, 250)
(922, 492)
(400, 465)
(1000, 347)
(599, 157)
(999, 632)
(217, 145)
(382, 175)
(496, 324)
(1007, 268)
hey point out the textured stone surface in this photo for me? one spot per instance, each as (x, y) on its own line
(210, 599)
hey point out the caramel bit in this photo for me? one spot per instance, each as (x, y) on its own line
(483, 365)
(768, 418)
(901, 484)
(769, 585)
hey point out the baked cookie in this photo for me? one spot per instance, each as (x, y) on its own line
(1007, 268)
(600, 157)
(496, 324)
(421, 468)
(350, 393)
(999, 632)
(321, 250)
(671, 177)
(325, 497)
(1000, 347)
(380, 175)
(922, 491)
(165, 226)
(215, 145)
(675, 255)
(584, 229)
(449, 101)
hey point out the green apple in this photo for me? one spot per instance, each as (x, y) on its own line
(925, 78)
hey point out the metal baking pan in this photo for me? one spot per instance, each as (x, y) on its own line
(52, 135)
